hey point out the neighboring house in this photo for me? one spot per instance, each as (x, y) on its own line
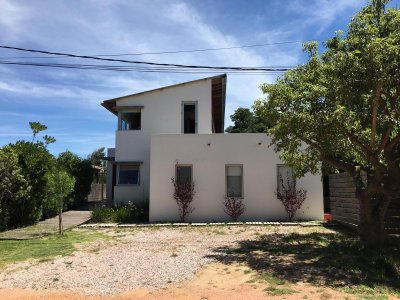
(177, 131)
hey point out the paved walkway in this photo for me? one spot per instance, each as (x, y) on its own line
(71, 218)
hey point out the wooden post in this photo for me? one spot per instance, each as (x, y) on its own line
(60, 224)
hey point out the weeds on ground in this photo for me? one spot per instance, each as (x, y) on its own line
(44, 249)
(321, 257)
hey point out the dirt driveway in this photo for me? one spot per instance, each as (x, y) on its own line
(226, 262)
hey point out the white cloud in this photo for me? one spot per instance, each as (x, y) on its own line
(12, 18)
(116, 26)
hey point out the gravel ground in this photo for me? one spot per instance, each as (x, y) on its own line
(140, 258)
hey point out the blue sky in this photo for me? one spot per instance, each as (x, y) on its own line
(68, 101)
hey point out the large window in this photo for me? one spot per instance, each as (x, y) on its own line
(286, 177)
(128, 174)
(183, 174)
(130, 120)
(234, 181)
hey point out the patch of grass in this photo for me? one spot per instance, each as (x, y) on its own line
(44, 249)
(219, 232)
(271, 279)
(366, 292)
(326, 295)
(274, 291)
(247, 271)
(334, 258)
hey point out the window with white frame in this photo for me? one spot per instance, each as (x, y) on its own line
(128, 174)
(285, 177)
(183, 174)
(234, 181)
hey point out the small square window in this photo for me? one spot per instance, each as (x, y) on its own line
(131, 120)
(128, 174)
(234, 181)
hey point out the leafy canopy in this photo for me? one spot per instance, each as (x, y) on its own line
(342, 107)
(244, 120)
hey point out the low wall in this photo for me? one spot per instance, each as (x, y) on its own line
(95, 192)
(346, 209)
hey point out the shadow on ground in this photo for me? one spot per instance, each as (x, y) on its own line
(330, 258)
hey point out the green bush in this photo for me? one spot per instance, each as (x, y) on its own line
(128, 213)
(103, 215)
(35, 162)
(82, 170)
(14, 188)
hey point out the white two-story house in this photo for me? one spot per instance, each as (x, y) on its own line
(178, 132)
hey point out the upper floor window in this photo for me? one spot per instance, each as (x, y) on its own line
(189, 117)
(130, 120)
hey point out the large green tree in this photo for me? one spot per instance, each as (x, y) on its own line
(342, 108)
(82, 170)
(244, 120)
(14, 188)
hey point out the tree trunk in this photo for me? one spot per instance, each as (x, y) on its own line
(372, 220)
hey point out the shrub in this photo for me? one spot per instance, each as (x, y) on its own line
(183, 195)
(35, 162)
(234, 207)
(103, 215)
(14, 188)
(291, 198)
(127, 213)
(82, 170)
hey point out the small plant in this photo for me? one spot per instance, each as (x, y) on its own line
(183, 195)
(234, 207)
(291, 198)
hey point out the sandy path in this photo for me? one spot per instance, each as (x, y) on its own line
(215, 281)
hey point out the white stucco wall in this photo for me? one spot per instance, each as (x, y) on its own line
(259, 177)
(161, 113)
(109, 188)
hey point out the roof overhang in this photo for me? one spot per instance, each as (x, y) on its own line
(111, 104)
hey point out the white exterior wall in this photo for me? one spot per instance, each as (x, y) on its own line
(161, 114)
(259, 177)
(110, 166)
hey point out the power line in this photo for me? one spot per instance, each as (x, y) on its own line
(179, 51)
(147, 63)
(138, 68)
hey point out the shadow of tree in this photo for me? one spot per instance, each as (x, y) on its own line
(333, 258)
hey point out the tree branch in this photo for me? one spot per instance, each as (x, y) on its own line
(328, 159)
(375, 106)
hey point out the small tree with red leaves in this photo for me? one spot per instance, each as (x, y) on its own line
(183, 195)
(291, 198)
(234, 207)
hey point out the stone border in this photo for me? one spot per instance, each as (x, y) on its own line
(118, 225)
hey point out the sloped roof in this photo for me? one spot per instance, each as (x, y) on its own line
(111, 103)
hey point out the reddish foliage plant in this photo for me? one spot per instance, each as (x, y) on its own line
(291, 198)
(183, 195)
(234, 207)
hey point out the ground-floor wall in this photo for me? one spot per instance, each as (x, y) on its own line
(132, 148)
(208, 154)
